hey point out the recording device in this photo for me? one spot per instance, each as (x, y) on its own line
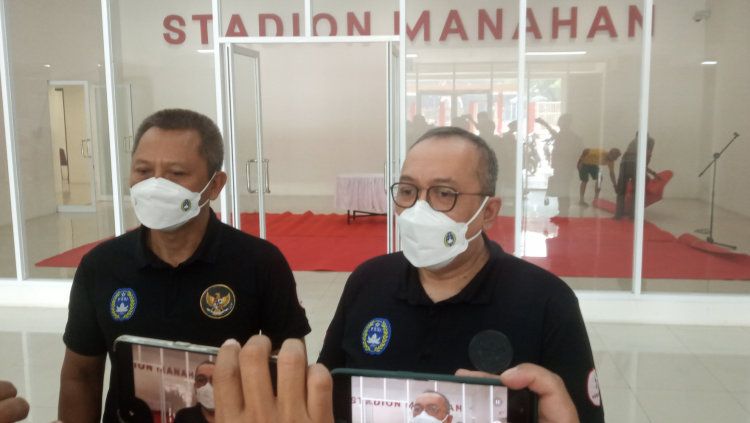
(156, 377)
(369, 396)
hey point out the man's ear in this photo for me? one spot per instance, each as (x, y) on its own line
(220, 179)
(491, 211)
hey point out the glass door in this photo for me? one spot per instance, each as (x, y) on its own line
(71, 146)
(247, 173)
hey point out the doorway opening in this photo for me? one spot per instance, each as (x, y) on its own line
(73, 150)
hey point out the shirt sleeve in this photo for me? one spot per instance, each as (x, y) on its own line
(567, 352)
(282, 314)
(83, 335)
(332, 354)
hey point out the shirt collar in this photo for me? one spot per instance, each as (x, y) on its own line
(478, 291)
(207, 250)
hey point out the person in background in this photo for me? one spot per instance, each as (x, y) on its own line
(588, 166)
(627, 175)
(567, 147)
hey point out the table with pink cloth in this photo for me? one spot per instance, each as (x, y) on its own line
(363, 193)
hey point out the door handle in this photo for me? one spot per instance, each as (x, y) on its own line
(247, 176)
(268, 181)
(86, 148)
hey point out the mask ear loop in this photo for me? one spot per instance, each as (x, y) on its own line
(204, 189)
(481, 207)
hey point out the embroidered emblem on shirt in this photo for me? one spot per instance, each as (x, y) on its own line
(185, 205)
(122, 305)
(376, 336)
(592, 388)
(450, 239)
(217, 301)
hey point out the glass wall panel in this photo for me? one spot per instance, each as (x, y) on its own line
(56, 61)
(461, 71)
(7, 249)
(699, 87)
(163, 59)
(354, 18)
(582, 87)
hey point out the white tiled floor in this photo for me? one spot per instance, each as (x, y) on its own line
(648, 373)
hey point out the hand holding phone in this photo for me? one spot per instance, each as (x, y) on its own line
(243, 385)
(364, 396)
(555, 404)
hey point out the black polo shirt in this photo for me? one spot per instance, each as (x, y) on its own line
(234, 286)
(386, 321)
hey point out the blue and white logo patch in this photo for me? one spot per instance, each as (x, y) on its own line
(376, 335)
(122, 305)
(449, 239)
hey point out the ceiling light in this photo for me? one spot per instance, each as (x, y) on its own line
(555, 53)
(709, 62)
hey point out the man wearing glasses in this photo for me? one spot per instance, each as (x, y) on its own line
(419, 309)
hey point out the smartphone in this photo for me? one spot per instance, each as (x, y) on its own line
(374, 396)
(157, 378)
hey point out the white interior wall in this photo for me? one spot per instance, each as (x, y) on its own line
(727, 41)
(66, 36)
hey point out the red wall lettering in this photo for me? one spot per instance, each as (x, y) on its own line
(453, 25)
(176, 35)
(572, 22)
(495, 28)
(203, 20)
(331, 22)
(602, 22)
(422, 23)
(489, 25)
(531, 26)
(236, 27)
(353, 23)
(263, 17)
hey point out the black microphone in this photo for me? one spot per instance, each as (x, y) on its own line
(490, 351)
(736, 134)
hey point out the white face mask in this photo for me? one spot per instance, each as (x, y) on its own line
(163, 205)
(431, 239)
(423, 417)
(205, 396)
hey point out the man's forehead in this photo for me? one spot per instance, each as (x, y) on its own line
(430, 397)
(205, 368)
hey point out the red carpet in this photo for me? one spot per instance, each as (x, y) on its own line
(584, 247)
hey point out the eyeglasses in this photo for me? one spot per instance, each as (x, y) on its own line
(439, 197)
(431, 409)
(201, 380)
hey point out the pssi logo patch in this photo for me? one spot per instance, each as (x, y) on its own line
(122, 305)
(376, 335)
(218, 301)
(185, 206)
(450, 239)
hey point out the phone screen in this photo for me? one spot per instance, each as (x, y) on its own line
(370, 399)
(163, 381)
